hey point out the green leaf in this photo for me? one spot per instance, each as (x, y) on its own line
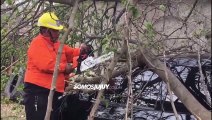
(148, 26)
(197, 33)
(162, 7)
(149, 30)
(9, 2)
(114, 49)
(134, 11)
(105, 41)
(106, 102)
(20, 88)
(124, 1)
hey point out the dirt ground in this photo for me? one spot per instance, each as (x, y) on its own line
(12, 111)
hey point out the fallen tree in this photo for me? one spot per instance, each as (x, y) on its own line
(143, 57)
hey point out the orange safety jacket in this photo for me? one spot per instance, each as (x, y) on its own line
(41, 61)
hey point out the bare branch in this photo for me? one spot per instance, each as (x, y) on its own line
(169, 89)
(206, 92)
(58, 57)
(190, 12)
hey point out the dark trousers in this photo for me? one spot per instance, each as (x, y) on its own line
(36, 100)
(75, 109)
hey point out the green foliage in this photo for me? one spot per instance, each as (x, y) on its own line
(9, 2)
(199, 33)
(162, 7)
(131, 8)
(11, 110)
(149, 30)
(73, 39)
(4, 79)
(12, 51)
(134, 11)
(124, 2)
(106, 44)
(105, 101)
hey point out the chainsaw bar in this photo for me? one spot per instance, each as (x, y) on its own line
(90, 61)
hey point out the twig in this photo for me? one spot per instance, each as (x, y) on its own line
(127, 30)
(208, 98)
(12, 64)
(189, 14)
(169, 89)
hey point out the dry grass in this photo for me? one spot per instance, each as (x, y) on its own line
(12, 111)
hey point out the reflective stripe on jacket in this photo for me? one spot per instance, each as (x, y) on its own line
(41, 60)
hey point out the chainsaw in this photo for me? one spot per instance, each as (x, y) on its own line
(86, 59)
(87, 64)
(90, 61)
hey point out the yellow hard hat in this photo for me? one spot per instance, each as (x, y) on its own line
(50, 20)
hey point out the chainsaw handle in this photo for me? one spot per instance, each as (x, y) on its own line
(83, 55)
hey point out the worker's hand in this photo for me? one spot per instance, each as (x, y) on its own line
(86, 50)
(68, 68)
(83, 48)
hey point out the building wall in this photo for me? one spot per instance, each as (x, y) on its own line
(165, 23)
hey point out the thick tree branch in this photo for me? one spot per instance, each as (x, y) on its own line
(202, 78)
(58, 57)
(169, 90)
(128, 17)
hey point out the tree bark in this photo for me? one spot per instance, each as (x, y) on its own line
(129, 104)
(55, 74)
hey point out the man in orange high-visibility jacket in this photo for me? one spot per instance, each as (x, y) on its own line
(41, 59)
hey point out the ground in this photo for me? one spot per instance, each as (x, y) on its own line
(12, 111)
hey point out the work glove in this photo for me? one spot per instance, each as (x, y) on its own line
(69, 68)
(85, 51)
